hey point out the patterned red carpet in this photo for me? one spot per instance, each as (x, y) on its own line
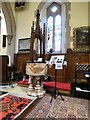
(70, 108)
(11, 106)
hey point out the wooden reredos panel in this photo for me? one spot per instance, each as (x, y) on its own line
(37, 34)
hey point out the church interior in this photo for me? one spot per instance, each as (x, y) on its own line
(44, 59)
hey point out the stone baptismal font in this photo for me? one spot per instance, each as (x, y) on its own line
(36, 69)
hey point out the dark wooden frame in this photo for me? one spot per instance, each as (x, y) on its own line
(81, 37)
(4, 41)
(24, 44)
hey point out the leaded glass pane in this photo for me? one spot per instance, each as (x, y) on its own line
(54, 9)
(50, 33)
(57, 33)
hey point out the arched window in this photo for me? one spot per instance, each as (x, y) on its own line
(54, 28)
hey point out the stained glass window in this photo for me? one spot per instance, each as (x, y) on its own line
(50, 33)
(54, 30)
(53, 9)
(58, 33)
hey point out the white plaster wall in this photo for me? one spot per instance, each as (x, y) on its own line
(79, 15)
(24, 18)
(3, 32)
(13, 9)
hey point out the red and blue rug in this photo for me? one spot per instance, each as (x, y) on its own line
(69, 109)
(12, 106)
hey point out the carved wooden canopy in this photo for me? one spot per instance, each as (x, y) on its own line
(36, 33)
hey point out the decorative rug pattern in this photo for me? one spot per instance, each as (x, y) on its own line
(11, 106)
(71, 108)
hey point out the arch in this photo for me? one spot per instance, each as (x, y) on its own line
(10, 26)
(66, 6)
